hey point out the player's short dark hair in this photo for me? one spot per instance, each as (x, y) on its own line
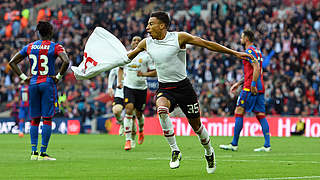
(162, 16)
(45, 28)
(249, 34)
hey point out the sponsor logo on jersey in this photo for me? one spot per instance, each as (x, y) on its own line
(133, 66)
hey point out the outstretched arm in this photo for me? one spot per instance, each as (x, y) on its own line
(186, 38)
(17, 58)
(141, 47)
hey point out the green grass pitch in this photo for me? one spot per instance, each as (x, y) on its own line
(103, 157)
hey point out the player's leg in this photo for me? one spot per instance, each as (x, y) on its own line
(129, 100)
(265, 129)
(163, 106)
(22, 117)
(117, 111)
(127, 123)
(140, 104)
(47, 111)
(188, 102)
(140, 118)
(261, 116)
(244, 102)
(133, 132)
(46, 134)
(34, 134)
(35, 113)
(239, 113)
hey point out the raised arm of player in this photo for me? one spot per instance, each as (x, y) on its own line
(141, 47)
(16, 59)
(186, 38)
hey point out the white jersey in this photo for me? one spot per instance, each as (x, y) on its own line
(142, 62)
(112, 76)
(169, 58)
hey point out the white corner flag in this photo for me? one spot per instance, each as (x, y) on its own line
(103, 51)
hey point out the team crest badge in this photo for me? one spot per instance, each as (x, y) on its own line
(140, 60)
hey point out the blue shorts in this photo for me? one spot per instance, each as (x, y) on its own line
(249, 102)
(24, 113)
(42, 100)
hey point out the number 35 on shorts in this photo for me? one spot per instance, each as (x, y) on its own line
(193, 108)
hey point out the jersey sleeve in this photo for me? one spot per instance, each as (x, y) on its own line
(249, 51)
(24, 51)
(58, 49)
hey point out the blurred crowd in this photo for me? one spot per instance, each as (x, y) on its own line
(287, 32)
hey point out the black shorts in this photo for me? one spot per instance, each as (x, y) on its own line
(182, 94)
(135, 96)
(117, 100)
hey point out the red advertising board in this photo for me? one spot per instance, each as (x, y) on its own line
(73, 127)
(223, 126)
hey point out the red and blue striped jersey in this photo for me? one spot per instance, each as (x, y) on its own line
(248, 69)
(24, 96)
(42, 55)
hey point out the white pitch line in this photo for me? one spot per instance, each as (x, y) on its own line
(246, 160)
(303, 177)
(241, 160)
(270, 154)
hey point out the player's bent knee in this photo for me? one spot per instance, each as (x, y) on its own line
(163, 101)
(129, 108)
(117, 109)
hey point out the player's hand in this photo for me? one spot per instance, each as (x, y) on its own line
(140, 74)
(54, 79)
(120, 86)
(254, 90)
(110, 92)
(234, 88)
(243, 55)
(27, 81)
